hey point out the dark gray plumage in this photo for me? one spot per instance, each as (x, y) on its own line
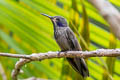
(67, 41)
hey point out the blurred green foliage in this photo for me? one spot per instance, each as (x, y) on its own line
(24, 31)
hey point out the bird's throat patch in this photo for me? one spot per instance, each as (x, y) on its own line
(60, 24)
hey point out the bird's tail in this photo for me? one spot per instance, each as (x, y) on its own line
(79, 65)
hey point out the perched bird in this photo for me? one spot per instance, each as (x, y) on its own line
(67, 41)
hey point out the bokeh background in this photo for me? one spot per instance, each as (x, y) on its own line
(23, 30)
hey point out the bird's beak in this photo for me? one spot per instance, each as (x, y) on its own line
(47, 16)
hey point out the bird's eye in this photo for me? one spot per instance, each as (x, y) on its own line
(57, 19)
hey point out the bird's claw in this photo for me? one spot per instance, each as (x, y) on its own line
(59, 52)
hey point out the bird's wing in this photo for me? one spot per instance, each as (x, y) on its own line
(72, 40)
(77, 63)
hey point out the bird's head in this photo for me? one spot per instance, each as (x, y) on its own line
(58, 21)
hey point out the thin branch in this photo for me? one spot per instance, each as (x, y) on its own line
(15, 55)
(41, 56)
(110, 14)
(2, 72)
(18, 67)
(34, 78)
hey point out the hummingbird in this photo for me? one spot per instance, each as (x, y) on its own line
(67, 41)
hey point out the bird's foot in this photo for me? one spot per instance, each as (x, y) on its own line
(61, 51)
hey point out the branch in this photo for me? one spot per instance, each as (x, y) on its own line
(84, 54)
(110, 14)
(34, 78)
(2, 72)
(18, 67)
(41, 56)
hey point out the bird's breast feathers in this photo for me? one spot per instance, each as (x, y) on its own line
(60, 31)
(61, 38)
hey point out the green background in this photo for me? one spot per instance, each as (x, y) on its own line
(23, 30)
